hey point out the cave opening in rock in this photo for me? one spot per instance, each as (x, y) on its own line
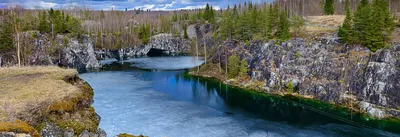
(157, 52)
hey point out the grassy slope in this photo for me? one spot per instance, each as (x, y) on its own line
(38, 94)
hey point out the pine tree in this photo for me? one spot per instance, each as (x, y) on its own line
(345, 31)
(283, 27)
(328, 7)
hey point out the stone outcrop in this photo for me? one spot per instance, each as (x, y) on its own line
(79, 54)
(40, 49)
(163, 42)
(52, 130)
(326, 70)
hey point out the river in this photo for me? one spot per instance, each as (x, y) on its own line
(156, 97)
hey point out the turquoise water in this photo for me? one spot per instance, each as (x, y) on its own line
(156, 97)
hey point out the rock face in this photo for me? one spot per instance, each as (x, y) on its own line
(327, 70)
(79, 55)
(39, 49)
(163, 42)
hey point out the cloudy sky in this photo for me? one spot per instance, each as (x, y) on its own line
(122, 4)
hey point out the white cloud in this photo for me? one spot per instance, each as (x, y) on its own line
(31, 4)
(165, 6)
(145, 7)
(186, 1)
(198, 7)
(47, 5)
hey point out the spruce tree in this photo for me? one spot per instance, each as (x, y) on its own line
(345, 31)
(43, 23)
(243, 69)
(380, 27)
(389, 23)
(226, 28)
(374, 36)
(233, 66)
(283, 27)
(6, 35)
(273, 20)
(328, 7)
(361, 21)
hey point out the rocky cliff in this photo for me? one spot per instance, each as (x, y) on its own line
(325, 70)
(40, 49)
(165, 43)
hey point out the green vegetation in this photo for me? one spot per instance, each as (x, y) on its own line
(129, 135)
(243, 69)
(6, 35)
(18, 126)
(289, 87)
(346, 28)
(254, 23)
(144, 33)
(283, 27)
(233, 66)
(209, 14)
(328, 7)
(371, 26)
(298, 24)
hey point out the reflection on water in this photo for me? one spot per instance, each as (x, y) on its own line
(171, 103)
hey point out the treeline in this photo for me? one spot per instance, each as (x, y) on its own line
(269, 22)
(370, 25)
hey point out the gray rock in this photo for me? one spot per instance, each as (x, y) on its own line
(375, 112)
(325, 69)
(69, 52)
(51, 130)
(80, 55)
(164, 42)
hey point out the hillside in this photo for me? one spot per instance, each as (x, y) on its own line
(46, 100)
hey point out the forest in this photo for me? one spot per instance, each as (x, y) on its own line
(366, 23)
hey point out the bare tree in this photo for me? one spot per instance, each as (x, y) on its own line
(16, 27)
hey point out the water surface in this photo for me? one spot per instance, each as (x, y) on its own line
(154, 97)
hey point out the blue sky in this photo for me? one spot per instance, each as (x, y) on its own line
(122, 4)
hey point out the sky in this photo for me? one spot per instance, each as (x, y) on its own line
(123, 4)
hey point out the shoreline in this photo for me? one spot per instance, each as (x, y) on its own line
(342, 113)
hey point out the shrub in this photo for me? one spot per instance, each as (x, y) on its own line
(290, 87)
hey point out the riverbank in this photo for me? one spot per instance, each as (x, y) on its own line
(46, 101)
(343, 114)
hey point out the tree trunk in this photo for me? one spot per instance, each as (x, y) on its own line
(197, 55)
(205, 52)
(16, 29)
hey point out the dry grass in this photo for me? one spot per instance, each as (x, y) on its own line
(329, 21)
(318, 31)
(318, 26)
(23, 89)
(18, 126)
